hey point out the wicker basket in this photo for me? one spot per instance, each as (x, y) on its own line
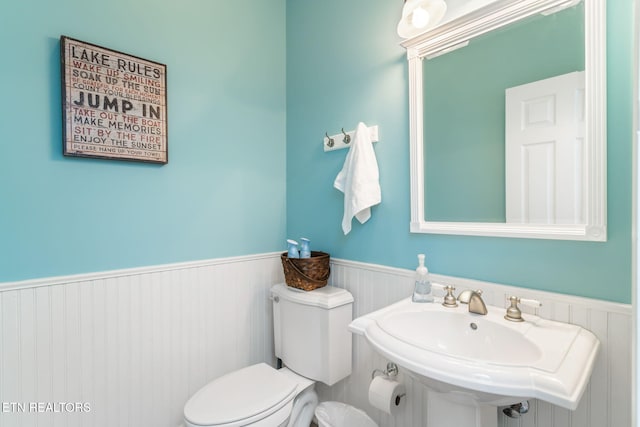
(306, 273)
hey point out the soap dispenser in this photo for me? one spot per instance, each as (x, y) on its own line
(292, 249)
(422, 290)
(305, 248)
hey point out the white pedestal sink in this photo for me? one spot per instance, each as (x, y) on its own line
(475, 363)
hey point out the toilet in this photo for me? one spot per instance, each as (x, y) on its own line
(313, 343)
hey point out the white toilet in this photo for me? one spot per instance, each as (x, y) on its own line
(314, 344)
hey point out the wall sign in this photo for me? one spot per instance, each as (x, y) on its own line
(114, 104)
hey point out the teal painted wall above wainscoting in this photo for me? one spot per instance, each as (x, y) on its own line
(252, 88)
(223, 191)
(345, 65)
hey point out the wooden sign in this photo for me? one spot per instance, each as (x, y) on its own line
(114, 105)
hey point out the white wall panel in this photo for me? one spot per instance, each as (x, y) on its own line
(605, 403)
(134, 344)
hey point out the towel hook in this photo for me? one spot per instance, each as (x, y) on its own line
(330, 141)
(347, 138)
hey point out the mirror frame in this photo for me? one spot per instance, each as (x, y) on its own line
(457, 33)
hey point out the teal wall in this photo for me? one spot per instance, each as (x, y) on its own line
(223, 191)
(248, 103)
(465, 163)
(344, 65)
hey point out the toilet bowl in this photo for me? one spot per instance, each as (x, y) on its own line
(310, 338)
(256, 396)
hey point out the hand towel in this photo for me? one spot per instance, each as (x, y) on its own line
(358, 179)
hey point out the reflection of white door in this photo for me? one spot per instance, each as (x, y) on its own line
(544, 151)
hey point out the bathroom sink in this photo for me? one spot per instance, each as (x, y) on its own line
(483, 359)
(459, 335)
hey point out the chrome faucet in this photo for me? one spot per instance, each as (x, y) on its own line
(474, 299)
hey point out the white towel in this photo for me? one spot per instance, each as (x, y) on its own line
(358, 179)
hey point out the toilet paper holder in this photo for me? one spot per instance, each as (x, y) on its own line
(391, 371)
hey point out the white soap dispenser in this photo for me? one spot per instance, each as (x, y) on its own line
(422, 290)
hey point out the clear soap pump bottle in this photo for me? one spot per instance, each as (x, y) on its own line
(422, 290)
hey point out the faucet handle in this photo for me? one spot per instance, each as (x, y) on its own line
(513, 311)
(450, 299)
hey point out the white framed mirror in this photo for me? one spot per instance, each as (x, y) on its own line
(527, 203)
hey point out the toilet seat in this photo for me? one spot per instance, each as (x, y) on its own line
(242, 397)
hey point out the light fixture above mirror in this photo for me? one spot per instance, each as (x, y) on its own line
(459, 31)
(419, 16)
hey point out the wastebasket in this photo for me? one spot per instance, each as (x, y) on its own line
(337, 414)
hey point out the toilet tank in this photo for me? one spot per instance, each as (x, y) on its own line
(310, 331)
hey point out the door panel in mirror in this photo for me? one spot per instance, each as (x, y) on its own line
(545, 151)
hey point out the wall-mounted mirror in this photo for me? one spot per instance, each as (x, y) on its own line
(508, 122)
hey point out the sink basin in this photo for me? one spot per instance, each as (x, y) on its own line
(483, 359)
(462, 336)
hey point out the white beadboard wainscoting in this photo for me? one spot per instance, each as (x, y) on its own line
(136, 344)
(606, 402)
(133, 344)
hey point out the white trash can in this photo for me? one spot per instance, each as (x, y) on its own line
(338, 414)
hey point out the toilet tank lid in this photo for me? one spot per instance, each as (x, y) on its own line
(327, 297)
(246, 393)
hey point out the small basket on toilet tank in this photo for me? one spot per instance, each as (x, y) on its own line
(306, 273)
(310, 331)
